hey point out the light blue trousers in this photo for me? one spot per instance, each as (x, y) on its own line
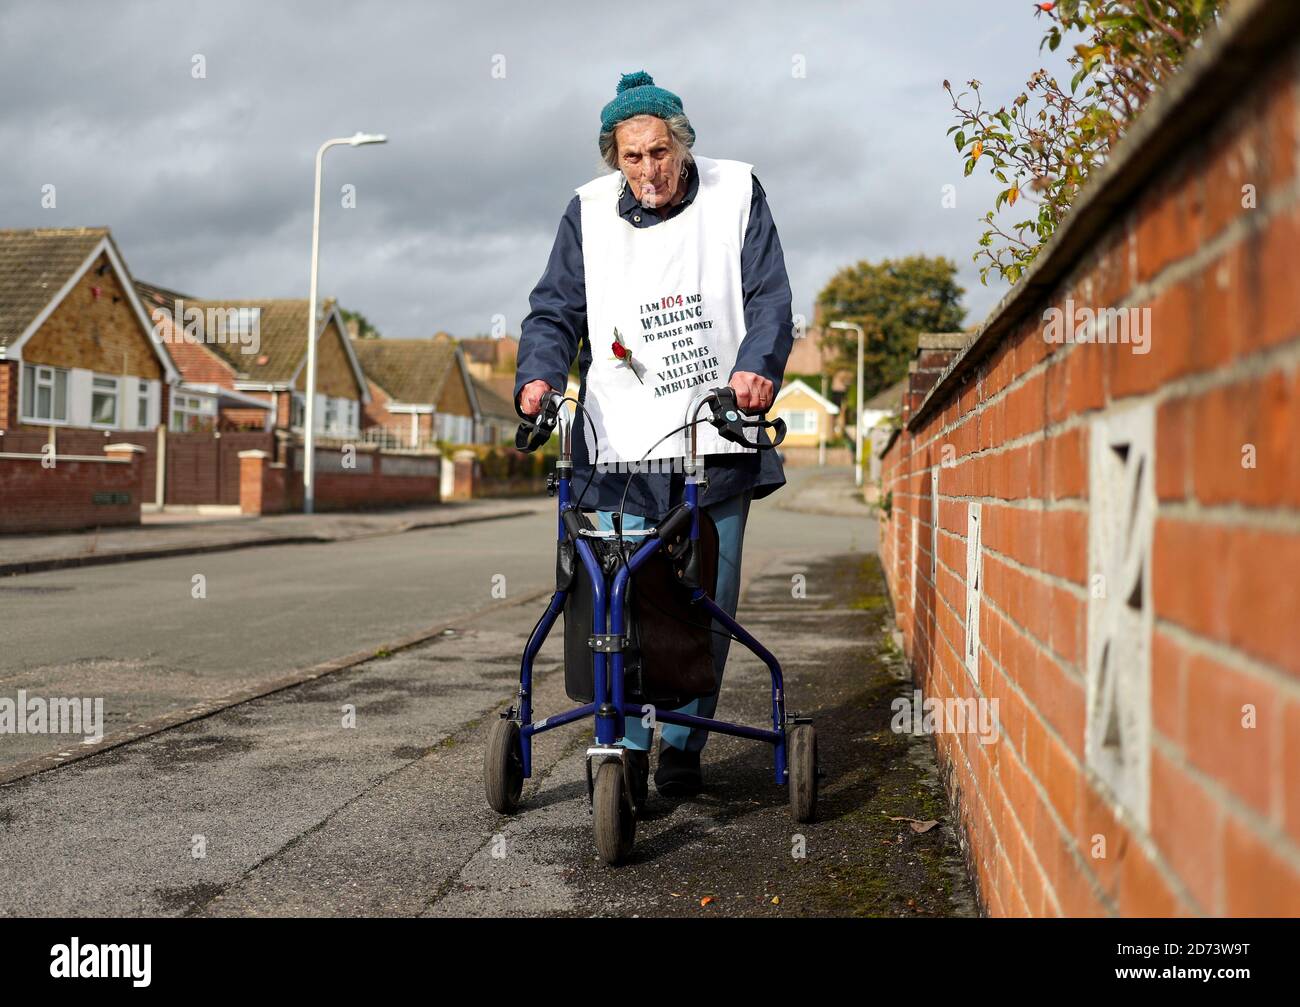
(729, 516)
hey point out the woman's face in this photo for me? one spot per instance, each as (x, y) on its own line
(645, 156)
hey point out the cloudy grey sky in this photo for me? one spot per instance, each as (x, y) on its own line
(206, 182)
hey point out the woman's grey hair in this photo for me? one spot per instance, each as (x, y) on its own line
(679, 132)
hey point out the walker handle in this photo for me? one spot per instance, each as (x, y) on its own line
(728, 418)
(532, 435)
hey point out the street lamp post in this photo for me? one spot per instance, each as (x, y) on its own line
(309, 416)
(857, 423)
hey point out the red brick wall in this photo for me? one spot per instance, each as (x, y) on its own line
(335, 491)
(81, 441)
(201, 468)
(61, 498)
(1045, 833)
(280, 487)
(8, 394)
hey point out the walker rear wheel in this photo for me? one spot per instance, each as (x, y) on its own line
(612, 815)
(801, 763)
(503, 767)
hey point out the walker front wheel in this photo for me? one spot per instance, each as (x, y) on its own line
(613, 817)
(801, 763)
(503, 767)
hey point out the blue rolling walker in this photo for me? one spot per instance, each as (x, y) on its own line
(615, 799)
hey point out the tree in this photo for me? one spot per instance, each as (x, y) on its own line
(893, 301)
(364, 329)
(1044, 145)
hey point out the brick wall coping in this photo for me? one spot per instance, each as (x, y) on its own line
(26, 456)
(1211, 78)
(942, 341)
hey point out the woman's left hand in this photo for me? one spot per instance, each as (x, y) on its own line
(753, 391)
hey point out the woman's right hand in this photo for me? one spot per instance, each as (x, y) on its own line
(531, 396)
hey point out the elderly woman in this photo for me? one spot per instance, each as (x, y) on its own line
(666, 279)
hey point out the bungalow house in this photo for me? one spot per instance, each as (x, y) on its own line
(487, 357)
(491, 362)
(76, 345)
(883, 405)
(421, 391)
(206, 398)
(497, 419)
(809, 417)
(244, 364)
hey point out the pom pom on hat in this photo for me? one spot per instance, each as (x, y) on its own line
(638, 79)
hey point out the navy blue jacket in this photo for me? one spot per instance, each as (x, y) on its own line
(555, 331)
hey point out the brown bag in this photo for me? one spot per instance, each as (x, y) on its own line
(669, 658)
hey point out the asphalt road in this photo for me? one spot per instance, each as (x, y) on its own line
(277, 806)
(148, 637)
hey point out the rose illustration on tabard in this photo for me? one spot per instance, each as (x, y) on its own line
(624, 355)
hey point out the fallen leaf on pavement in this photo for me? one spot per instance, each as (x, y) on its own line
(916, 823)
(706, 900)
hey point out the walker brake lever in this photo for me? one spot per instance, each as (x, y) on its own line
(532, 435)
(731, 424)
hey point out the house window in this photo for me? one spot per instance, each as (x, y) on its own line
(454, 429)
(801, 421)
(142, 406)
(340, 417)
(297, 411)
(189, 413)
(45, 393)
(103, 402)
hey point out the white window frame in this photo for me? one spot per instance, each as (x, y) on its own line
(37, 376)
(186, 407)
(96, 389)
(807, 421)
(338, 417)
(142, 405)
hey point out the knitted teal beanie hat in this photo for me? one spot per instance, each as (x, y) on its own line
(638, 95)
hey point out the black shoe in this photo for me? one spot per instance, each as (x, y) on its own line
(638, 768)
(678, 773)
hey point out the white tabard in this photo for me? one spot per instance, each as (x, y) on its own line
(673, 292)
